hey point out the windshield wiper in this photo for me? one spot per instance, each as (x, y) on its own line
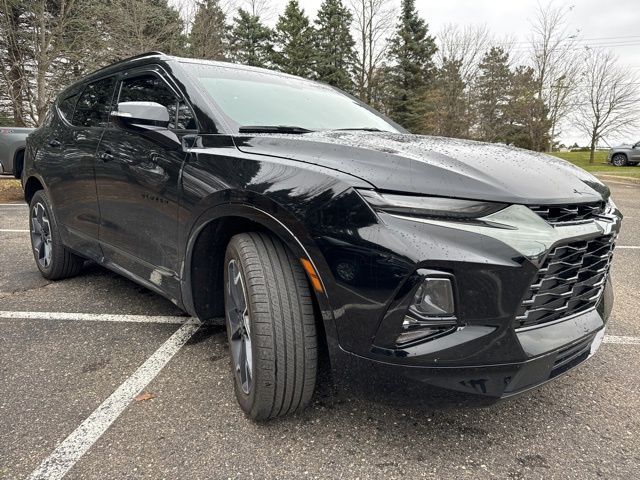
(272, 129)
(362, 129)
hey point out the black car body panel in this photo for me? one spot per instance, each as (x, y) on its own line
(160, 211)
(438, 166)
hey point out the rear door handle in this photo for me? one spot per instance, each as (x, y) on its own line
(106, 156)
(54, 143)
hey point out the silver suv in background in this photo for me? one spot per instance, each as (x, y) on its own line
(624, 155)
(12, 142)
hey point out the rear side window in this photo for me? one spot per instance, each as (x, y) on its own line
(150, 88)
(66, 107)
(94, 105)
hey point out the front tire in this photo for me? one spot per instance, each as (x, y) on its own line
(270, 327)
(53, 259)
(619, 160)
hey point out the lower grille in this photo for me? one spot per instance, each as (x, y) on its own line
(571, 280)
(571, 356)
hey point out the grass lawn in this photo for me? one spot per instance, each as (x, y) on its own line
(599, 165)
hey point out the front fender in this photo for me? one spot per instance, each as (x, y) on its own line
(273, 218)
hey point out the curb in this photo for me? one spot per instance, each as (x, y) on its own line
(619, 178)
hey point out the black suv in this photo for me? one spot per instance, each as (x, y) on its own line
(313, 223)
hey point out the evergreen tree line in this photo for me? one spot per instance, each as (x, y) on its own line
(425, 92)
(500, 106)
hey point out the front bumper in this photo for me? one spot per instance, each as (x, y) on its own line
(553, 350)
(493, 353)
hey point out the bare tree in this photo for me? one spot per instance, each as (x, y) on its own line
(265, 9)
(373, 21)
(12, 53)
(44, 46)
(260, 8)
(608, 98)
(464, 45)
(138, 26)
(553, 58)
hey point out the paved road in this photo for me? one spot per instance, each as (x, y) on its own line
(55, 373)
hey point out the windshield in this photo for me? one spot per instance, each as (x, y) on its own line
(253, 98)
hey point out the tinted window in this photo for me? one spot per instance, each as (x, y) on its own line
(66, 107)
(186, 120)
(94, 105)
(150, 88)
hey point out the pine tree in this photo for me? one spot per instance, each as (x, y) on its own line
(527, 114)
(334, 46)
(294, 42)
(447, 103)
(208, 35)
(411, 51)
(250, 40)
(492, 95)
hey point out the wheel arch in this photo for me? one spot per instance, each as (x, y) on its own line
(31, 186)
(205, 250)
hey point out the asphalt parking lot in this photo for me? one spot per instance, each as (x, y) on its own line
(75, 353)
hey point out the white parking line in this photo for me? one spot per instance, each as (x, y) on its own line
(10, 230)
(71, 449)
(628, 247)
(622, 340)
(99, 317)
(13, 205)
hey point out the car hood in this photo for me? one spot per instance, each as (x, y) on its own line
(437, 166)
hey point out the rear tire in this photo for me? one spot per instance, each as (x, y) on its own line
(619, 160)
(275, 323)
(53, 259)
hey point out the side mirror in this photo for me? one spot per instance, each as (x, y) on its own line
(141, 115)
(149, 119)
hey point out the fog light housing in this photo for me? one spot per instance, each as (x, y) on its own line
(434, 298)
(432, 312)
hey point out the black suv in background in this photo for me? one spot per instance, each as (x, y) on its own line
(312, 222)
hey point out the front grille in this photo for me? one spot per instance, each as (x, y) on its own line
(564, 214)
(571, 280)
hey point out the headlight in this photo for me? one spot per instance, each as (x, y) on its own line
(440, 207)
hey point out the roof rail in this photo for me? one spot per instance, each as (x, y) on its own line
(140, 55)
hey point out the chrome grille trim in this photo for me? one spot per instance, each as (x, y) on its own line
(571, 280)
(568, 214)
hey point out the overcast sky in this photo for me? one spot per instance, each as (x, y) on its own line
(614, 24)
(596, 22)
